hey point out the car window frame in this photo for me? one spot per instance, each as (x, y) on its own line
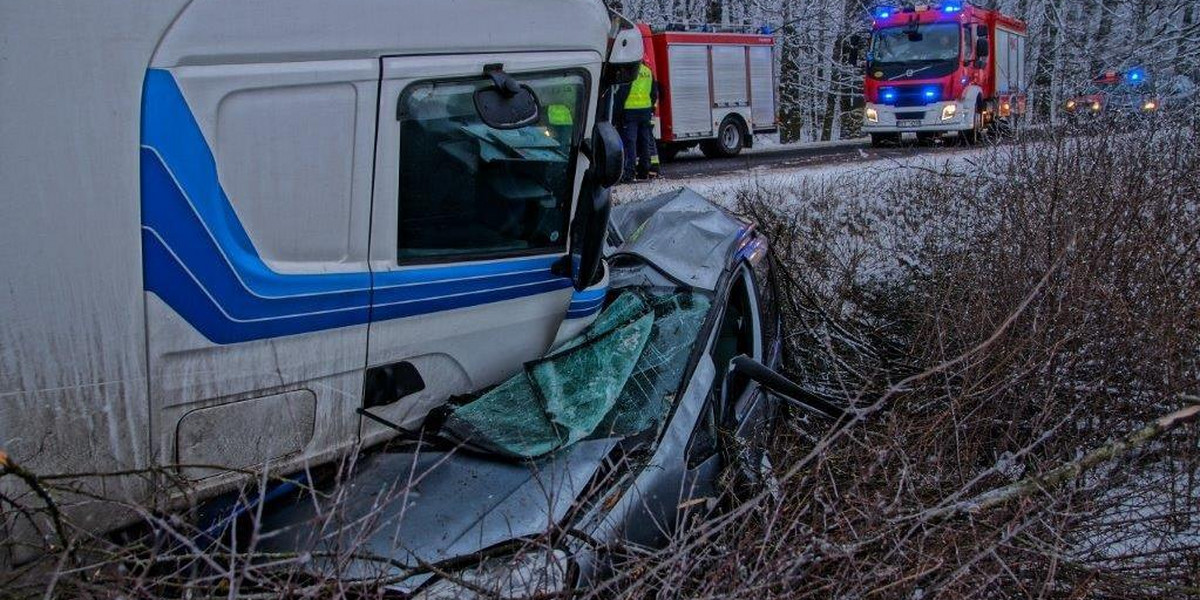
(717, 390)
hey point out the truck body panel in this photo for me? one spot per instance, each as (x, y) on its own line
(706, 77)
(194, 232)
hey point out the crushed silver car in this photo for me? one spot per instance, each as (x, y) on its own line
(621, 434)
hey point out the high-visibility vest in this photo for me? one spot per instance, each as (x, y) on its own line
(639, 91)
(559, 115)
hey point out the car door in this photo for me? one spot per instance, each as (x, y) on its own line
(732, 419)
(469, 227)
(681, 480)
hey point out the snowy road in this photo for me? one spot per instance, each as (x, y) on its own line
(776, 157)
(782, 167)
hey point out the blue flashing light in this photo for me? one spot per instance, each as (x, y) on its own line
(952, 7)
(883, 12)
(888, 95)
(931, 94)
(1136, 75)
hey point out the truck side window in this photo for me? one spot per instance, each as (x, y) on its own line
(467, 189)
(968, 43)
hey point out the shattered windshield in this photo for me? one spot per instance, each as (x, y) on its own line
(617, 379)
(469, 189)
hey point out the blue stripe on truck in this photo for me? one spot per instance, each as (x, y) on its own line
(200, 261)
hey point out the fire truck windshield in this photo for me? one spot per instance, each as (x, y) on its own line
(933, 43)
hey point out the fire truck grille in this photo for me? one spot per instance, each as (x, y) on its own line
(911, 96)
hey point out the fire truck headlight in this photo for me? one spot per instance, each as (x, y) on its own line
(1071, 105)
(949, 112)
(1150, 106)
(872, 115)
(1095, 107)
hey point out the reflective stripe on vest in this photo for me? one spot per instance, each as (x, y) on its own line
(639, 91)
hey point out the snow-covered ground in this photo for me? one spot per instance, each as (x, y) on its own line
(723, 188)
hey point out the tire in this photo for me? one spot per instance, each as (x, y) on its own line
(978, 131)
(879, 140)
(730, 140)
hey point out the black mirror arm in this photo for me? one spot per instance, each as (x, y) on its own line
(505, 84)
(785, 388)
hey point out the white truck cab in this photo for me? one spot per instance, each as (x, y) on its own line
(232, 227)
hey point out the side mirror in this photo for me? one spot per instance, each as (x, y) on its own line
(590, 227)
(982, 49)
(784, 388)
(591, 231)
(595, 203)
(625, 52)
(507, 104)
(606, 154)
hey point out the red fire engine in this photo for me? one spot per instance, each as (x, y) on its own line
(716, 88)
(948, 67)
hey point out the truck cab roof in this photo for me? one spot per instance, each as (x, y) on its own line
(232, 31)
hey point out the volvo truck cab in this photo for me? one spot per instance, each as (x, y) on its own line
(258, 234)
(947, 67)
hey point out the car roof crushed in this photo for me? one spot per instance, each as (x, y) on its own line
(683, 234)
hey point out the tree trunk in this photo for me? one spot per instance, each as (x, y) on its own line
(715, 13)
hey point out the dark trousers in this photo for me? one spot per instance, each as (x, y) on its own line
(637, 135)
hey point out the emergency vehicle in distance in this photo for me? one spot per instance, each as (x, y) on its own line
(942, 68)
(1122, 94)
(716, 88)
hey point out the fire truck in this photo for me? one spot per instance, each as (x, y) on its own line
(940, 68)
(716, 88)
(1121, 94)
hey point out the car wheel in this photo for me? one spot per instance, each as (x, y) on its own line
(729, 141)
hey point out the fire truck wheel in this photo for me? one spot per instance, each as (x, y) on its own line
(668, 152)
(977, 132)
(729, 141)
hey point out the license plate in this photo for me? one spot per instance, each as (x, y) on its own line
(908, 123)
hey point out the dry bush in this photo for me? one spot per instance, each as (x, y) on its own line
(994, 319)
(991, 319)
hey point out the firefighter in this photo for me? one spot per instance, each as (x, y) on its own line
(635, 104)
